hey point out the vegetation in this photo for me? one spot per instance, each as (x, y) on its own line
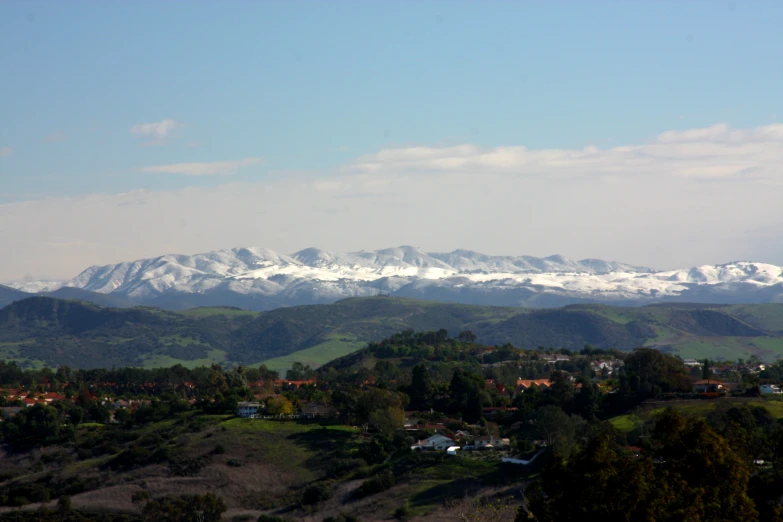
(44, 331)
(598, 434)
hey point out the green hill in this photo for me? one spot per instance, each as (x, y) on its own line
(41, 330)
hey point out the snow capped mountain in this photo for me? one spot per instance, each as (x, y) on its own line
(261, 278)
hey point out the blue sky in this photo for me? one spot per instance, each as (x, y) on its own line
(308, 87)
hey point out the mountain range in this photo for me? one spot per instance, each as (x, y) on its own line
(261, 279)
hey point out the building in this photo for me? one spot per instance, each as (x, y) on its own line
(248, 410)
(436, 442)
(488, 441)
(767, 389)
(314, 411)
(524, 384)
(708, 386)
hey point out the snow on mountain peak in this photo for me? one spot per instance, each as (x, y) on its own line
(316, 275)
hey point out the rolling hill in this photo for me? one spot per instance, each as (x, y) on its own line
(45, 331)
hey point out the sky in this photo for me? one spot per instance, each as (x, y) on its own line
(644, 132)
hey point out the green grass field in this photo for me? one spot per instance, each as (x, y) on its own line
(700, 408)
(317, 355)
(209, 311)
(158, 361)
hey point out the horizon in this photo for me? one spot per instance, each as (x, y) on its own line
(19, 282)
(644, 133)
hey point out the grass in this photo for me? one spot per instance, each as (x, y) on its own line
(625, 423)
(700, 408)
(317, 355)
(210, 311)
(163, 361)
(727, 348)
(178, 339)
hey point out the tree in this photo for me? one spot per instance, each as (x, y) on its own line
(64, 506)
(388, 420)
(421, 386)
(706, 370)
(596, 484)
(299, 372)
(588, 400)
(690, 473)
(466, 336)
(558, 429)
(279, 405)
(711, 479)
(466, 389)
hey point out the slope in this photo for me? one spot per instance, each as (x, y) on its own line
(8, 295)
(47, 331)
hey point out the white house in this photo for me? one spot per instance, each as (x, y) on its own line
(770, 388)
(247, 410)
(436, 442)
(488, 441)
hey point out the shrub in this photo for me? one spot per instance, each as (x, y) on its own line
(376, 484)
(341, 467)
(403, 512)
(271, 518)
(234, 463)
(316, 493)
(219, 449)
(342, 517)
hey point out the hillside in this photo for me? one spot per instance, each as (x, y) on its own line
(43, 331)
(8, 295)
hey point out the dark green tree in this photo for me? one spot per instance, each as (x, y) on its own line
(466, 395)
(421, 386)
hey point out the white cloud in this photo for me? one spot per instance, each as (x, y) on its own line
(6, 151)
(645, 204)
(204, 168)
(716, 152)
(159, 130)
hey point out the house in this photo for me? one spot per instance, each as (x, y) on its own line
(436, 442)
(489, 441)
(492, 411)
(461, 435)
(554, 358)
(248, 410)
(770, 389)
(708, 386)
(525, 384)
(10, 411)
(691, 363)
(314, 411)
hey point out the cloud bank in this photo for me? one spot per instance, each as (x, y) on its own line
(159, 130)
(686, 198)
(715, 152)
(204, 169)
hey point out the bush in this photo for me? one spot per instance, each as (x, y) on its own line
(234, 463)
(341, 467)
(315, 494)
(342, 517)
(377, 484)
(219, 449)
(403, 512)
(271, 518)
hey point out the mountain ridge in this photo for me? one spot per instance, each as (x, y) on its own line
(262, 279)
